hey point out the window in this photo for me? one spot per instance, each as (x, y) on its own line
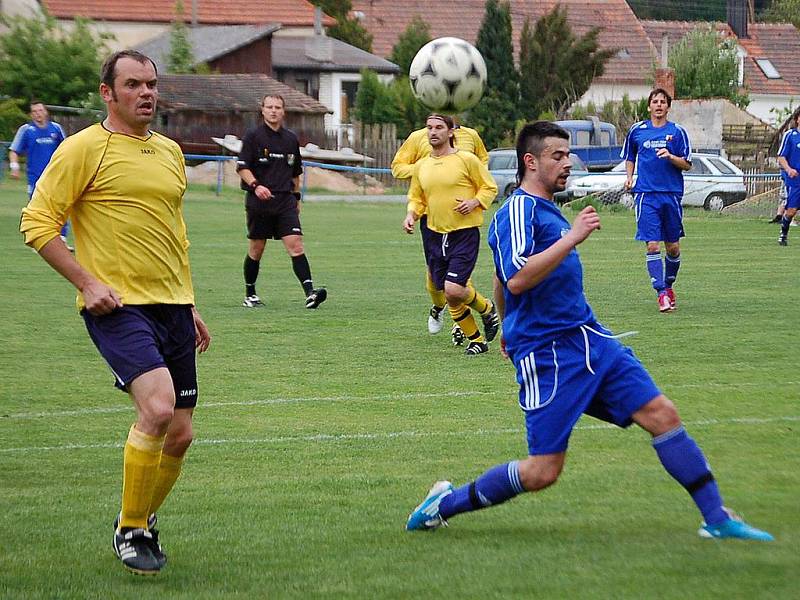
(582, 138)
(699, 168)
(721, 166)
(502, 161)
(768, 68)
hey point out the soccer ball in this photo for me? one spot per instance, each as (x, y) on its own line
(448, 74)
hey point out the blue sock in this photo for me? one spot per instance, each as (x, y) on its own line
(683, 459)
(495, 486)
(671, 266)
(656, 269)
(785, 226)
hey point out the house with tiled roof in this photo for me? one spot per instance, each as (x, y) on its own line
(135, 21)
(629, 71)
(322, 67)
(194, 108)
(769, 68)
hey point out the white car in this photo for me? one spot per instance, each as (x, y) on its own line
(713, 183)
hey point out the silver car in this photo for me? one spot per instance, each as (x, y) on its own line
(713, 183)
(503, 166)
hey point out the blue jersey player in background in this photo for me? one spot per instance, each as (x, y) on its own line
(789, 161)
(660, 151)
(567, 363)
(37, 140)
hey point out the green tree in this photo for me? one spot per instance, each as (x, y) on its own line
(180, 58)
(410, 112)
(39, 59)
(496, 114)
(556, 67)
(11, 117)
(706, 67)
(414, 37)
(347, 28)
(375, 102)
(783, 11)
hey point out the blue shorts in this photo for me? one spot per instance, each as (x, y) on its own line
(793, 196)
(582, 371)
(452, 256)
(659, 217)
(136, 339)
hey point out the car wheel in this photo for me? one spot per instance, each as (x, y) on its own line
(714, 202)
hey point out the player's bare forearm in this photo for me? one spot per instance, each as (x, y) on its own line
(202, 337)
(542, 264)
(499, 299)
(784, 164)
(99, 298)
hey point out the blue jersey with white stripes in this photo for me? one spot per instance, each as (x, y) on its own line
(790, 150)
(654, 174)
(524, 226)
(38, 144)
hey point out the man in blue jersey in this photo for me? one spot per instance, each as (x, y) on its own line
(38, 140)
(789, 161)
(660, 151)
(567, 363)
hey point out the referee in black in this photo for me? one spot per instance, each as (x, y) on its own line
(269, 166)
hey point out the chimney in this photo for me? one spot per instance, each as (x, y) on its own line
(738, 12)
(317, 21)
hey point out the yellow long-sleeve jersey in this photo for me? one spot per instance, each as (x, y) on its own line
(124, 196)
(417, 147)
(438, 183)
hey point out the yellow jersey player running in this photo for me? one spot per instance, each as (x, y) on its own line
(122, 185)
(417, 147)
(453, 188)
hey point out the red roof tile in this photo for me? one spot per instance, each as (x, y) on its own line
(620, 29)
(777, 42)
(217, 12)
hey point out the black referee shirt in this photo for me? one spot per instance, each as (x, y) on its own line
(272, 156)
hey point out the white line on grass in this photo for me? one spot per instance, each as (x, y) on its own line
(203, 405)
(511, 393)
(344, 437)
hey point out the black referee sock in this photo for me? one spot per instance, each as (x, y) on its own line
(302, 271)
(250, 275)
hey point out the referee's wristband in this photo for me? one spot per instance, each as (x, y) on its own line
(254, 185)
(14, 166)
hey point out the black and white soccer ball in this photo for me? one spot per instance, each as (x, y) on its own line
(448, 75)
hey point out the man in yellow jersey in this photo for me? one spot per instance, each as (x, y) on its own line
(453, 188)
(122, 185)
(412, 150)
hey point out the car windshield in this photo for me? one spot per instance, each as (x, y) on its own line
(506, 160)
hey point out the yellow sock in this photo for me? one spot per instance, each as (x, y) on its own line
(168, 471)
(462, 317)
(141, 458)
(437, 296)
(477, 302)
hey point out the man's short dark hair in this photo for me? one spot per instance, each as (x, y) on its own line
(661, 91)
(109, 68)
(531, 141)
(277, 96)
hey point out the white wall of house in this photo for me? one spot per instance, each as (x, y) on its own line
(20, 8)
(599, 93)
(126, 34)
(761, 105)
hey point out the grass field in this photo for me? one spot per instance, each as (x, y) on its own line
(318, 431)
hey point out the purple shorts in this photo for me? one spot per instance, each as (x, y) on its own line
(136, 339)
(452, 256)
